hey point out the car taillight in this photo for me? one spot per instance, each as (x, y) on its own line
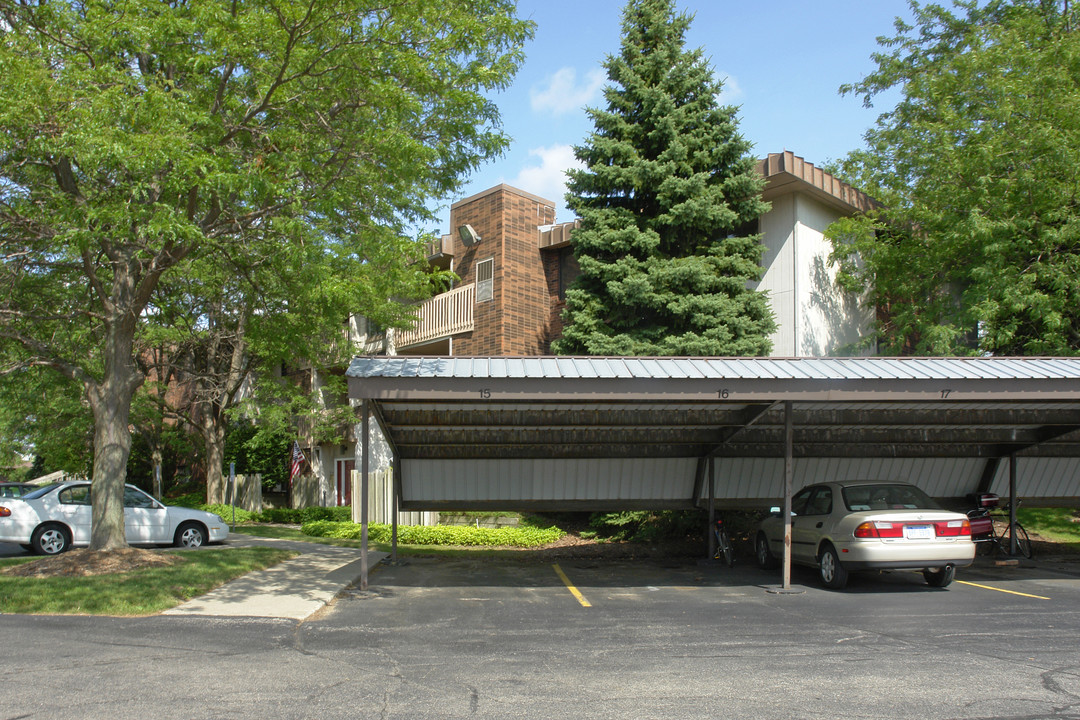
(883, 529)
(880, 529)
(953, 528)
(4, 512)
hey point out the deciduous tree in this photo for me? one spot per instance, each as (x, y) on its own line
(143, 140)
(978, 164)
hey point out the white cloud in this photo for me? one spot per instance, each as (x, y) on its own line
(548, 179)
(563, 94)
(731, 92)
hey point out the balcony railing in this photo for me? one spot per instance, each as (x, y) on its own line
(441, 316)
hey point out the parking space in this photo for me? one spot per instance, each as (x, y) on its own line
(497, 637)
(709, 641)
(607, 581)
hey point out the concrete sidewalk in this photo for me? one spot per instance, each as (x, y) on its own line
(293, 589)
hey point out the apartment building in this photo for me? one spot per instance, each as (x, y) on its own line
(514, 261)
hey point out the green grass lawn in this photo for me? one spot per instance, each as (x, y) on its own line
(140, 592)
(1056, 525)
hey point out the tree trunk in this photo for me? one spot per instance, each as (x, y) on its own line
(213, 433)
(110, 402)
(219, 388)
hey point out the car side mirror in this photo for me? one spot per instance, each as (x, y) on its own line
(774, 510)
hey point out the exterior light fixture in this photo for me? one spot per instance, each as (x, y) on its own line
(468, 236)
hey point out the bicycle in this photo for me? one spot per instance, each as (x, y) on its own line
(724, 549)
(990, 541)
(1003, 541)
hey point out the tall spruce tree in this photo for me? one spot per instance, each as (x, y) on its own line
(666, 199)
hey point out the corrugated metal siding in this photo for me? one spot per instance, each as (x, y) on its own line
(570, 480)
(746, 478)
(381, 501)
(615, 480)
(1040, 477)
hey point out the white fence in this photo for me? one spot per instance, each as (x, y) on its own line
(381, 501)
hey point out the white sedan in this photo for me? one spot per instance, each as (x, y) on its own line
(839, 527)
(55, 518)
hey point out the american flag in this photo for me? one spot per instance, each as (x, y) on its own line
(297, 460)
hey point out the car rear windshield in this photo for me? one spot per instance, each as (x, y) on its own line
(39, 492)
(887, 497)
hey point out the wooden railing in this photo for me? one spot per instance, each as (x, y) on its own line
(441, 316)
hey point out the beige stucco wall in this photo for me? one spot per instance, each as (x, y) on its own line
(814, 317)
(778, 236)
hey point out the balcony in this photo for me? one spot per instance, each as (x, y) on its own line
(441, 316)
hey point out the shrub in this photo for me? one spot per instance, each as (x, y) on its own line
(336, 514)
(190, 500)
(438, 534)
(648, 526)
(290, 516)
(226, 512)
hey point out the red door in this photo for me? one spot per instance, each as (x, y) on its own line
(344, 481)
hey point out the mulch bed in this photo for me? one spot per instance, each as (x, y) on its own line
(81, 563)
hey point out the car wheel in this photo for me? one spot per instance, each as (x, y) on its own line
(50, 540)
(190, 535)
(765, 559)
(940, 577)
(833, 574)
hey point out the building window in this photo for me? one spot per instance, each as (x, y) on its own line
(485, 279)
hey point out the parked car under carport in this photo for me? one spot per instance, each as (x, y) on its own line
(849, 526)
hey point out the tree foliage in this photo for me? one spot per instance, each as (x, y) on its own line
(43, 416)
(978, 247)
(241, 165)
(254, 450)
(665, 200)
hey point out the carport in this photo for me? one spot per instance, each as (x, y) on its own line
(592, 433)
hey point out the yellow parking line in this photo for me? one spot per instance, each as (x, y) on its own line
(569, 586)
(1011, 592)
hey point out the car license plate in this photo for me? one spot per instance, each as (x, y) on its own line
(919, 532)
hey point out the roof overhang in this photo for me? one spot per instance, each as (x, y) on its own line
(786, 172)
(564, 407)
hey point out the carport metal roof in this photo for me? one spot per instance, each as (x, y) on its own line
(629, 407)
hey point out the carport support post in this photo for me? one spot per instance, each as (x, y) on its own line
(712, 508)
(789, 434)
(396, 503)
(365, 426)
(1013, 548)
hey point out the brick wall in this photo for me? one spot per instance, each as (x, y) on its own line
(554, 325)
(516, 320)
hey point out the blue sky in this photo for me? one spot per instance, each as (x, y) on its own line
(782, 61)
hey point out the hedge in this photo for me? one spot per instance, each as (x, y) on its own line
(521, 536)
(277, 515)
(225, 512)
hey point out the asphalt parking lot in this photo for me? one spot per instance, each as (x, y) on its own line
(438, 638)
